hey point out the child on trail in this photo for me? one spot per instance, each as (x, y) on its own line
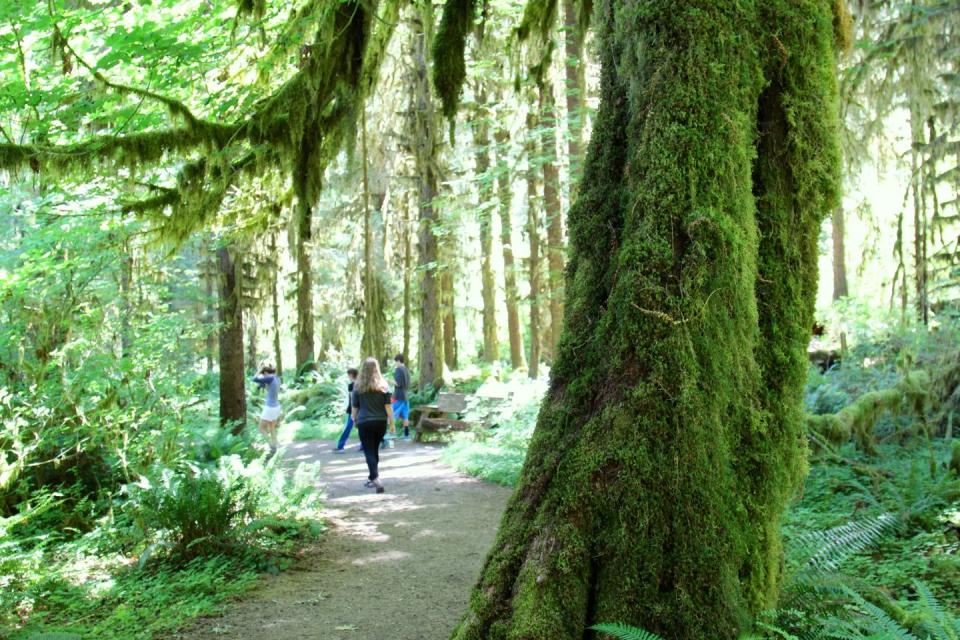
(372, 412)
(401, 379)
(352, 377)
(268, 379)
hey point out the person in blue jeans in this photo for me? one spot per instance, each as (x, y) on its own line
(348, 427)
(401, 379)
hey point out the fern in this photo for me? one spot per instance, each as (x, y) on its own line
(55, 635)
(941, 624)
(621, 631)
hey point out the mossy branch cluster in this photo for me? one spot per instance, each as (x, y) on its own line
(673, 434)
(911, 395)
(299, 129)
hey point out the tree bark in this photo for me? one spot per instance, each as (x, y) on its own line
(575, 75)
(233, 401)
(430, 359)
(481, 139)
(449, 318)
(304, 329)
(275, 306)
(407, 294)
(251, 326)
(533, 231)
(671, 437)
(506, 239)
(551, 201)
(839, 255)
(373, 343)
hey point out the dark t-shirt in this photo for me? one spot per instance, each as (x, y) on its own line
(402, 379)
(372, 406)
(349, 395)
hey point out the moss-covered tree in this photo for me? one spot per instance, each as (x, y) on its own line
(672, 434)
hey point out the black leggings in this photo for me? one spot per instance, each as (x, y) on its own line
(371, 435)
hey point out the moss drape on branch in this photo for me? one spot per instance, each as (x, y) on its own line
(859, 419)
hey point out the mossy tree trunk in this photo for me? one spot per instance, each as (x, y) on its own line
(533, 233)
(233, 401)
(672, 437)
(481, 139)
(504, 197)
(430, 361)
(554, 217)
(407, 284)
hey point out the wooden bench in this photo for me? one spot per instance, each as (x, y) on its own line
(442, 416)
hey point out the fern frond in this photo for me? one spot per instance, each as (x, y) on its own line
(941, 622)
(55, 635)
(878, 622)
(622, 631)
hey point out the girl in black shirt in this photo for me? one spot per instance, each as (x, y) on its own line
(372, 413)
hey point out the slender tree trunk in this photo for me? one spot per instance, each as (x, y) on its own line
(533, 231)
(919, 222)
(575, 72)
(839, 255)
(506, 239)
(481, 139)
(448, 307)
(233, 401)
(671, 437)
(275, 306)
(407, 294)
(126, 302)
(251, 340)
(551, 201)
(304, 329)
(425, 147)
(211, 311)
(373, 341)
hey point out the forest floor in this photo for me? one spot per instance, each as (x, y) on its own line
(396, 565)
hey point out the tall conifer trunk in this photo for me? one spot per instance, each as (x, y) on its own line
(506, 240)
(575, 76)
(671, 437)
(551, 203)
(233, 401)
(304, 328)
(430, 361)
(533, 233)
(373, 343)
(481, 139)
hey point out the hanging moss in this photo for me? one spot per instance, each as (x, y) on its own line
(449, 44)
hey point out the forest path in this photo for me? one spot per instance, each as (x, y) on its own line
(397, 565)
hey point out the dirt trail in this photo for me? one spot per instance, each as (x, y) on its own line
(398, 566)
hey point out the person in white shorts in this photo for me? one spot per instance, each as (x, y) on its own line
(269, 380)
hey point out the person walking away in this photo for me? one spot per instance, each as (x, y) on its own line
(268, 379)
(401, 408)
(372, 413)
(341, 443)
